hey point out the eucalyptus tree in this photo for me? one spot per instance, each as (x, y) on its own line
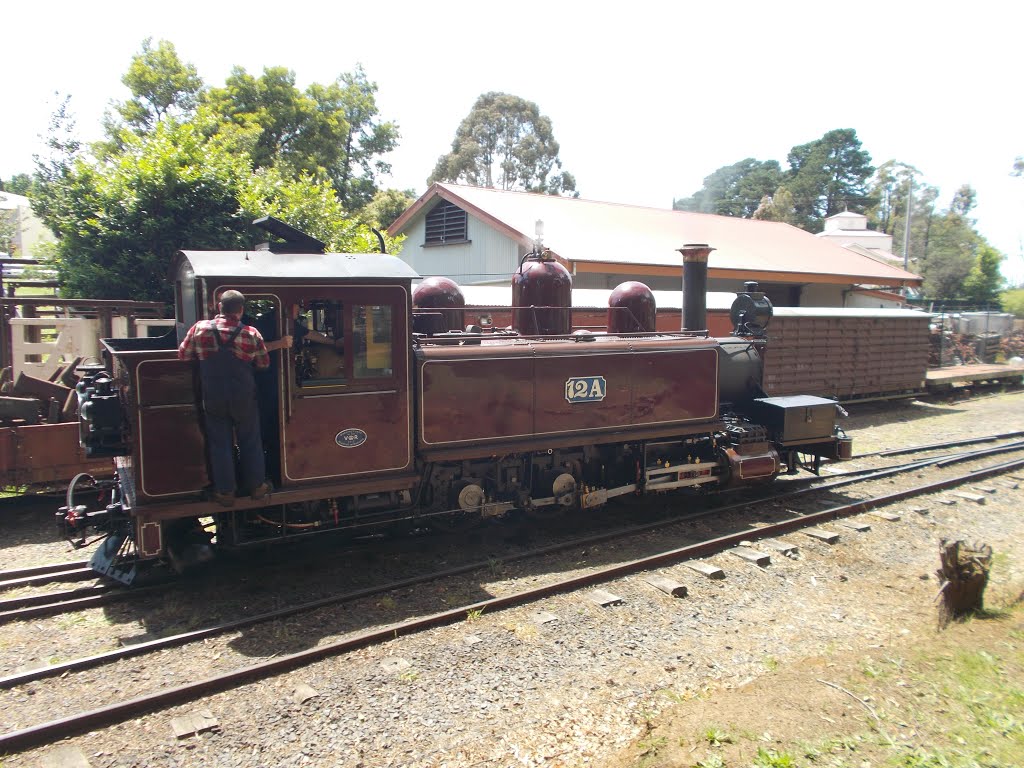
(734, 190)
(827, 176)
(505, 142)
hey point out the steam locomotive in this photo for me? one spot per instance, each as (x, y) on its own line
(415, 415)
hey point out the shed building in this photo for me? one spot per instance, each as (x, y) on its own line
(478, 236)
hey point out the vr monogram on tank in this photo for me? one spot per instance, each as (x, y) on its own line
(350, 438)
(585, 389)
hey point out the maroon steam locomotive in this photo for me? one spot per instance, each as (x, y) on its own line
(412, 415)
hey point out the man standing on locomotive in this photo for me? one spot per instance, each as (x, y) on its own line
(228, 352)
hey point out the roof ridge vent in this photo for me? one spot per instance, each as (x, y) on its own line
(294, 240)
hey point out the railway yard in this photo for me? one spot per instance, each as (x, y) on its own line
(467, 668)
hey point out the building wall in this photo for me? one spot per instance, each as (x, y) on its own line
(857, 299)
(488, 257)
(874, 241)
(29, 232)
(820, 295)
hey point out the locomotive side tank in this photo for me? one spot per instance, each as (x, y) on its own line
(509, 394)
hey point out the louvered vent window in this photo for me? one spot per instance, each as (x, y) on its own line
(446, 224)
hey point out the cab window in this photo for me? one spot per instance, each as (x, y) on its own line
(371, 335)
(319, 343)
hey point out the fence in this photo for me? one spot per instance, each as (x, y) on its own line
(968, 333)
(39, 334)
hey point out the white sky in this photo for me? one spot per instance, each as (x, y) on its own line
(646, 98)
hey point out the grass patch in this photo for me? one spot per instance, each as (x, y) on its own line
(949, 700)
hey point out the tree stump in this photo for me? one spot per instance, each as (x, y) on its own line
(964, 575)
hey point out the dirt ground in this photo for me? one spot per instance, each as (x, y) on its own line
(832, 658)
(924, 697)
(866, 707)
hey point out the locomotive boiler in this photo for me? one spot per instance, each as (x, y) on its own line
(415, 417)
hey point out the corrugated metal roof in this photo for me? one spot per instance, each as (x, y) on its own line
(9, 201)
(288, 266)
(613, 233)
(852, 233)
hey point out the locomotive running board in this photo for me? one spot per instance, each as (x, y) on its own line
(169, 510)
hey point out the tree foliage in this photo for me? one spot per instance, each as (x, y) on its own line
(121, 219)
(18, 184)
(387, 205)
(162, 85)
(327, 130)
(505, 142)
(984, 282)
(945, 248)
(827, 176)
(889, 190)
(778, 207)
(1013, 301)
(366, 140)
(185, 166)
(7, 232)
(734, 190)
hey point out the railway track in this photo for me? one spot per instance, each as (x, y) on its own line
(795, 521)
(100, 594)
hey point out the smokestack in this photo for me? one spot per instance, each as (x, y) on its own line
(695, 286)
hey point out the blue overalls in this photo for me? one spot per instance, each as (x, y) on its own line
(229, 400)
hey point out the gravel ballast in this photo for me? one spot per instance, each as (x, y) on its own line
(566, 681)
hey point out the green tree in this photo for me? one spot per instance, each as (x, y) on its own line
(331, 131)
(888, 191)
(387, 205)
(366, 140)
(949, 255)
(827, 176)
(505, 142)
(161, 86)
(1013, 301)
(7, 232)
(984, 282)
(287, 129)
(310, 206)
(18, 184)
(778, 207)
(964, 200)
(55, 183)
(121, 218)
(734, 190)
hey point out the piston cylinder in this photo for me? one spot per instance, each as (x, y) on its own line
(750, 464)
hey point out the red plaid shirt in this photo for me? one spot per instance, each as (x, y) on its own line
(199, 343)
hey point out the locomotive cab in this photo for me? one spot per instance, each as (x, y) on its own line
(335, 410)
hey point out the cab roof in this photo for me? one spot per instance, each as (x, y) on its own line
(294, 266)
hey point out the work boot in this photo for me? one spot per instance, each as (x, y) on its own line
(224, 498)
(260, 491)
